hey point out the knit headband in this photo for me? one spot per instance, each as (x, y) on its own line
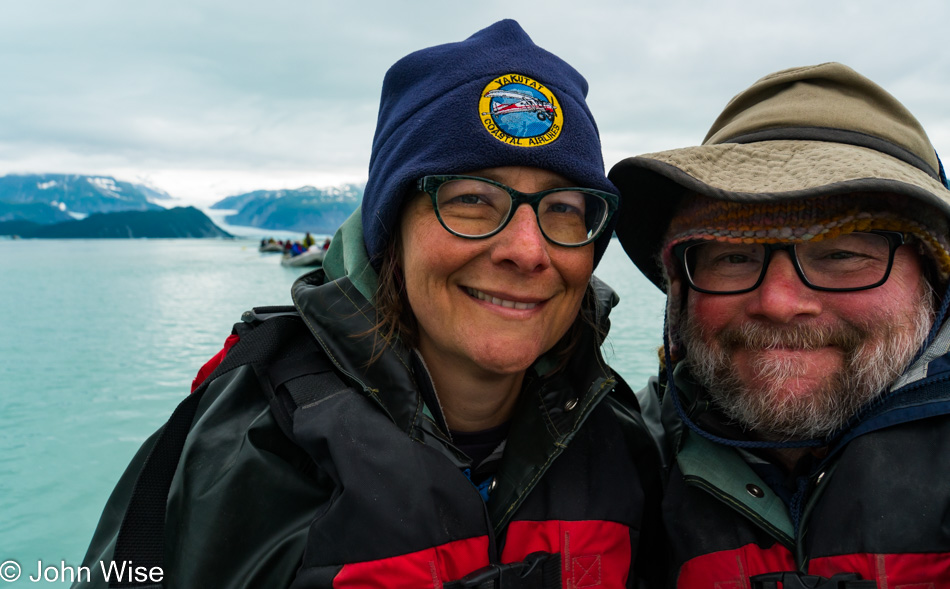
(814, 219)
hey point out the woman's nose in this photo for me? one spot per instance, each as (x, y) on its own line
(521, 242)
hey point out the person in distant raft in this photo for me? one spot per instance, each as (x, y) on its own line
(805, 252)
(434, 411)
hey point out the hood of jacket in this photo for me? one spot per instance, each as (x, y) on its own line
(347, 256)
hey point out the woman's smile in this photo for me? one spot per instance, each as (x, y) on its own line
(506, 301)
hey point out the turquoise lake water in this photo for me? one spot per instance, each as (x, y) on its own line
(100, 339)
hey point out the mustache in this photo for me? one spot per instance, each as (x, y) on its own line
(754, 336)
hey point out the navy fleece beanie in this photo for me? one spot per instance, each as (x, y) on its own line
(494, 99)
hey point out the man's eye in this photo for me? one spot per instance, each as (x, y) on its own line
(736, 259)
(842, 255)
(731, 259)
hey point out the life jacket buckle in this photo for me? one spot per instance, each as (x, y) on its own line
(539, 570)
(795, 580)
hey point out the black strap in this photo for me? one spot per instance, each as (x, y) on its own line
(141, 537)
(300, 379)
(539, 570)
(795, 580)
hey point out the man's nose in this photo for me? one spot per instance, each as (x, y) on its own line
(782, 296)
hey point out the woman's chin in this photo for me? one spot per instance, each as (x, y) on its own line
(505, 360)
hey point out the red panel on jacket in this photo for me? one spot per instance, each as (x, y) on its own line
(427, 568)
(894, 571)
(593, 553)
(731, 569)
(213, 363)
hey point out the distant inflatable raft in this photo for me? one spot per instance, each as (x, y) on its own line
(311, 257)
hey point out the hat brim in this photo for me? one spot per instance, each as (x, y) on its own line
(651, 185)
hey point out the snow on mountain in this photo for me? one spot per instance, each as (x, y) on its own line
(71, 194)
(318, 210)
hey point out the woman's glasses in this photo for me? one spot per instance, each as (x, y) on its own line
(475, 208)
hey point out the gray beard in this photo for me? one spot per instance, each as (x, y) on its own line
(875, 354)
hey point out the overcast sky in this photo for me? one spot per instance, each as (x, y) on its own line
(207, 98)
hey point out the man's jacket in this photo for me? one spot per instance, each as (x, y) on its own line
(364, 487)
(873, 512)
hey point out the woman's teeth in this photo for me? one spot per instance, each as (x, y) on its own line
(501, 302)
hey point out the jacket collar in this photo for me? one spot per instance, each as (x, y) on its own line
(343, 322)
(336, 304)
(552, 406)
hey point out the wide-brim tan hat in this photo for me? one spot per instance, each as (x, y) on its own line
(798, 133)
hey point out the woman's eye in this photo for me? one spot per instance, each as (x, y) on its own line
(466, 199)
(563, 203)
(562, 208)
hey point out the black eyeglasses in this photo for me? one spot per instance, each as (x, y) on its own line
(849, 262)
(475, 208)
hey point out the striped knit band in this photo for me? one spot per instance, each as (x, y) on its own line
(703, 218)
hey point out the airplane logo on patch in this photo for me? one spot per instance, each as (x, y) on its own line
(543, 109)
(520, 111)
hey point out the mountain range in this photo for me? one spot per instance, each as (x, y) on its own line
(53, 198)
(317, 210)
(30, 201)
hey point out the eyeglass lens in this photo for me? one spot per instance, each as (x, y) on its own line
(849, 261)
(474, 208)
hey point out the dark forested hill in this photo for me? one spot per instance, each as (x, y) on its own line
(176, 222)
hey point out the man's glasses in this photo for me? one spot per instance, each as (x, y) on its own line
(474, 208)
(849, 262)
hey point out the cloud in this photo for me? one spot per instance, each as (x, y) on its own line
(207, 89)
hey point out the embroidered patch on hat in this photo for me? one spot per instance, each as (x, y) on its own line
(520, 111)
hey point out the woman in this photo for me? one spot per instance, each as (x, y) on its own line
(435, 412)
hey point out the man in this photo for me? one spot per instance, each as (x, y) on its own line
(804, 251)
